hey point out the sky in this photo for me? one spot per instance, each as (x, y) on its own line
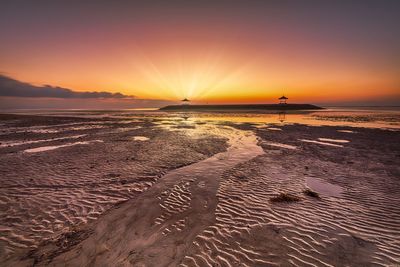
(151, 53)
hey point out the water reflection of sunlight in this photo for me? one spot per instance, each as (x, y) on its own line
(320, 143)
(264, 120)
(281, 118)
(324, 187)
(372, 119)
(333, 140)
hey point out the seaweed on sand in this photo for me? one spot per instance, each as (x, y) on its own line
(311, 193)
(285, 197)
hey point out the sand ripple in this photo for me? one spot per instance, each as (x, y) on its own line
(216, 212)
(250, 231)
(48, 193)
(360, 226)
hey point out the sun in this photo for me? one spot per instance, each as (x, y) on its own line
(190, 76)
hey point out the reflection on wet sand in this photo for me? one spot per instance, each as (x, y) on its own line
(282, 117)
(345, 131)
(323, 187)
(320, 143)
(27, 142)
(47, 148)
(140, 138)
(333, 140)
(280, 145)
(390, 120)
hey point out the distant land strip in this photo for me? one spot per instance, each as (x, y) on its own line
(241, 107)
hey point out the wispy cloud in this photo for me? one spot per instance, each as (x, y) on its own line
(15, 88)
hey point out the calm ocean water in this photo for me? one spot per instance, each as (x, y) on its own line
(371, 117)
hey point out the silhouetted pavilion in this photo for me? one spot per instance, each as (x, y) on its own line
(282, 100)
(185, 101)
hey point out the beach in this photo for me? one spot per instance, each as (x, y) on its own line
(213, 189)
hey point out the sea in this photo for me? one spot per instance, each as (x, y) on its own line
(370, 117)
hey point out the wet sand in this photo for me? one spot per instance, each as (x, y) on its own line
(178, 192)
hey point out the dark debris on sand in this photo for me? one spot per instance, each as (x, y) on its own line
(310, 193)
(285, 197)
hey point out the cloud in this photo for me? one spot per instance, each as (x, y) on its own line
(11, 103)
(14, 88)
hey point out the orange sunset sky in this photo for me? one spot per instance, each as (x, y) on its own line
(208, 51)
